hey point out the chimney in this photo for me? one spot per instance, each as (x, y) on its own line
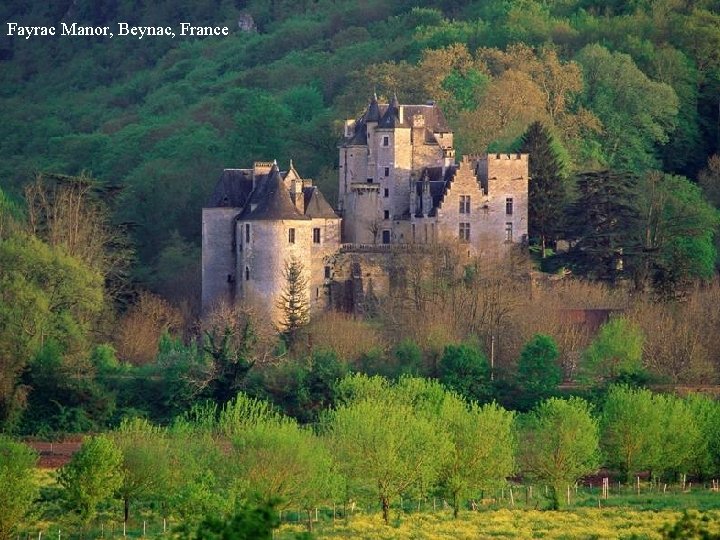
(297, 196)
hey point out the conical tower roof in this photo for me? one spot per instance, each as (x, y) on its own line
(271, 200)
(373, 112)
(391, 118)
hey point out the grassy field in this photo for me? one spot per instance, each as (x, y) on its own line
(626, 514)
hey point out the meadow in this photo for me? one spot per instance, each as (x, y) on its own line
(625, 514)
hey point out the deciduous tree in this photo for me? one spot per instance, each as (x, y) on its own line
(92, 477)
(558, 444)
(19, 486)
(483, 448)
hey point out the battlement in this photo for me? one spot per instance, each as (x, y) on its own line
(506, 157)
(262, 167)
(364, 186)
(494, 157)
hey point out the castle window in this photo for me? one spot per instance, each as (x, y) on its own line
(247, 232)
(386, 141)
(386, 237)
(316, 235)
(387, 171)
(386, 214)
(291, 235)
(369, 180)
(327, 272)
(508, 232)
(247, 273)
(509, 206)
(464, 234)
(464, 204)
(387, 193)
(317, 292)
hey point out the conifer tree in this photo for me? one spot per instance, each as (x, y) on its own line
(547, 191)
(294, 300)
(603, 222)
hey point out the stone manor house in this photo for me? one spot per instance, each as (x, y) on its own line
(400, 189)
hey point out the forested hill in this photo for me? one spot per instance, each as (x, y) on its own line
(630, 85)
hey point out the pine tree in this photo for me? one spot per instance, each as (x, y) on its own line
(604, 222)
(547, 190)
(294, 299)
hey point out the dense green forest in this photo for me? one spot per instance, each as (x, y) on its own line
(629, 85)
(110, 147)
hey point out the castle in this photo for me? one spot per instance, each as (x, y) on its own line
(399, 187)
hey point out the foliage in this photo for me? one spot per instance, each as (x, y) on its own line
(547, 190)
(483, 449)
(692, 524)
(616, 352)
(631, 429)
(602, 222)
(91, 478)
(44, 295)
(679, 226)
(293, 301)
(252, 521)
(636, 113)
(277, 459)
(20, 488)
(385, 445)
(145, 465)
(465, 369)
(559, 444)
(538, 372)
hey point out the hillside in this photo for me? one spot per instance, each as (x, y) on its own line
(636, 83)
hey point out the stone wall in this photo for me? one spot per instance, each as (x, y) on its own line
(504, 176)
(464, 184)
(262, 261)
(218, 258)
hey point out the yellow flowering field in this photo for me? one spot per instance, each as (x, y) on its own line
(579, 523)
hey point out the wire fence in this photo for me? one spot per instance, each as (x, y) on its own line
(598, 493)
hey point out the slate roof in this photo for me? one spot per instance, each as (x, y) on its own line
(387, 115)
(391, 118)
(316, 206)
(232, 189)
(272, 199)
(373, 112)
(438, 185)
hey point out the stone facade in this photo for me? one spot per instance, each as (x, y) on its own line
(399, 183)
(399, 189)
(259, 220)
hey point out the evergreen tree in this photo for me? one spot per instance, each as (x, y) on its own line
(603, 222)
(547, 190)
(294, 299)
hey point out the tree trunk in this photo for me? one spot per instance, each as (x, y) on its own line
(126, 501)
(385, 508)
(542, 241)
(456, 504)
(309, 523)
